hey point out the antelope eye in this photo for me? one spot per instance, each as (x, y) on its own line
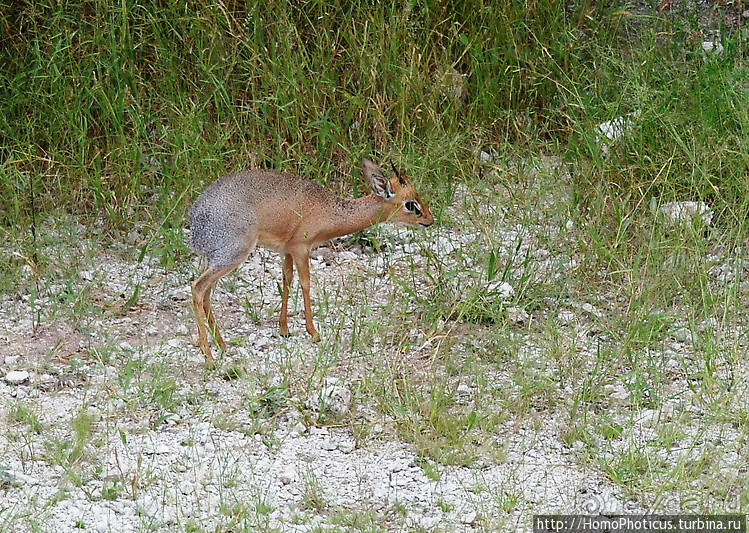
(412, 206)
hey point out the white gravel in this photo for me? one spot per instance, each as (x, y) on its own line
(171, 447)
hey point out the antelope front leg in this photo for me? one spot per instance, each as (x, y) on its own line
(302, 266)
(288, 275)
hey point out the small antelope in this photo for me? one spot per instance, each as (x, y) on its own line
(288, 214)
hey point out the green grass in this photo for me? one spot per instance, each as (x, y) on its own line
(113, 117)
(109, 108)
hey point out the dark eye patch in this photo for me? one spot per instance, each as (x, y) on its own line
(412, 206)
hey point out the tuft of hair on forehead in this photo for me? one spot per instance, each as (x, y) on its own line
(401, 179)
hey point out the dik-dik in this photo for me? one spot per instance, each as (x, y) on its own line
(288, 214)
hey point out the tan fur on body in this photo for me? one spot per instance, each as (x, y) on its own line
(291, 215)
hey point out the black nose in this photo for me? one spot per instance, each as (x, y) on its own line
(423, 225)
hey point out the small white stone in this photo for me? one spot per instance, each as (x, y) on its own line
(261, 342)
(712, 47)
(683, 334)
(347, 446)
(518, 315)
(19, 393)
(172, 418)
(185, 487)
(298, 430)
(163, 449)
(682, 212)
(126, 347)
(445, 245)
(333, 398)
(500, 289)
(122, 506)
(286, 477)
(17, 478)
(565, 316)
(115, 404)
(262, 465)
(614, 129)
(150, 507)
(619, 392)
(328, 445)
(468, 518)
(648, 418)
(423, 521)
(94, 413)
(16, 377)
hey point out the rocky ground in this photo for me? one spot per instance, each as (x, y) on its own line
(110, 422)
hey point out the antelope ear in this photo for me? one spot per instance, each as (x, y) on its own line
(380, 184)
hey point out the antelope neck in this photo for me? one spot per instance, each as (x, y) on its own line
(359, 214)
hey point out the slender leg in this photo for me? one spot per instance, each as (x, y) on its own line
(288, 275)
(201, 304)
(302, 266)
(198, 306)
(212, 326)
